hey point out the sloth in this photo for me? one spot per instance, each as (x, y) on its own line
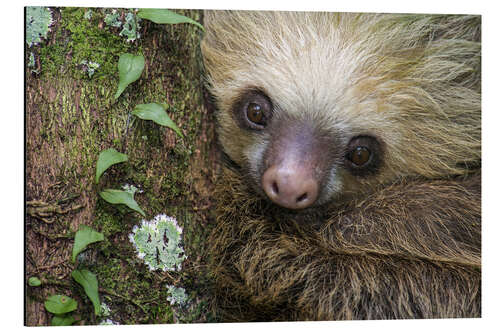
(351, 185)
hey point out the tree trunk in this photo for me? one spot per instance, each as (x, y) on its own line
(71, 116)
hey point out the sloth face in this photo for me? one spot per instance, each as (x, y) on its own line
(296, 162)
(298, 106)
(323, 107)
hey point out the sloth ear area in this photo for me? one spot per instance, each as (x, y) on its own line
(252, 110)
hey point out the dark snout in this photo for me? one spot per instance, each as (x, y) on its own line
(295, 162)
(290, 185)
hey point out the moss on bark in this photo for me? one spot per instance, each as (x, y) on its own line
(70, 118)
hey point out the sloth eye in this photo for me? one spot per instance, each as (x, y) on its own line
(252, 110)
(363, 155)
(255, 114)
(360, 156)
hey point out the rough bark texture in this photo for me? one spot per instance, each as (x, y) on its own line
(70, 119)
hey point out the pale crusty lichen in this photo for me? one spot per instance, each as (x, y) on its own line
(38, 22)
(157, 242)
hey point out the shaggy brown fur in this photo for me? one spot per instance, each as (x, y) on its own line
(410, 250)
(402, 242)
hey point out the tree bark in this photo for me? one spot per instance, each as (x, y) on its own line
(70, 119)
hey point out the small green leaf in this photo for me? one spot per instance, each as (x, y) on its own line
(83, 237)
(62, 320)
(88, 280)
(165, 16)
(156, 113)
(121, 197)
(130, 68)
(34, 281)
(106, 159)
(59, 304)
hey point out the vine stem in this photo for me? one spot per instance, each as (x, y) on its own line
(136, 303)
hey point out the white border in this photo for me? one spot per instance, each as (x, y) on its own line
(13, 160)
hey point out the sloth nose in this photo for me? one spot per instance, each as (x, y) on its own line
(290, 186)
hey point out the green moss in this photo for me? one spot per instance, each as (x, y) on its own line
(108, 274)
(84, 41)
(79, 117)
(107, 223)
(135, 297)
(162, 314)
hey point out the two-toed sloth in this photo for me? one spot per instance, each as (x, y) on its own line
(353, 188)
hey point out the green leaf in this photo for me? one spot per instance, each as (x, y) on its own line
(59, 304)
(165, 16)
(106, 159)
(83, 237)
(34, 281)
(88, 280)
(156, 113)
(121, 197)
(130, 68)
(62, 320)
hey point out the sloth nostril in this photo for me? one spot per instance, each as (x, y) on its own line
(276, 188)
(302, 198)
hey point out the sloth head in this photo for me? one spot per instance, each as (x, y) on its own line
(316, 107)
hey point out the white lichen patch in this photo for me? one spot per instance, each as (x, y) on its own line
(109, 322)
(105, 310)
(38, 22)
(31, 62)
(90, 67)
(112, 19)
(158, 243)
(131, 189)
(104, 314)
(131, 27)
(177, 296)
(88, 14)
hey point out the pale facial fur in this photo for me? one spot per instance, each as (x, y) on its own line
(350, 74)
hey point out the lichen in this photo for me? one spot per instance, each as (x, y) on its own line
(112, 19)
(84, 40)
(131, 27)
(31, 62)
(90, 67)
(82, 118)
(38, 22)
(104, 315)
(108, 322)
(88, 14)
(157, 242)
(177, 296)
